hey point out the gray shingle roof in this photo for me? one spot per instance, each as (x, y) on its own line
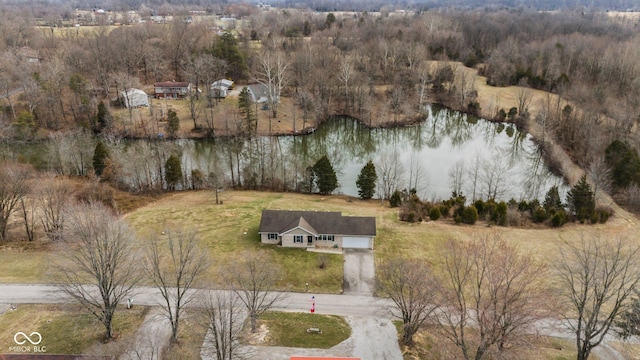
(323, 222)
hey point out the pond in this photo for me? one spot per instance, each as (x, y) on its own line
(448, 151)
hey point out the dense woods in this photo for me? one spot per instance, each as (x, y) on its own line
(378, 67)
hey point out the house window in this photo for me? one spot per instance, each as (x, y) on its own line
(298, 239)
(272, 236)
(326, 237)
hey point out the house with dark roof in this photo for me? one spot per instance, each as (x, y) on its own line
(316, 229)
(171, 89)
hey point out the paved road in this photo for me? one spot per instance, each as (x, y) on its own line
(359, 307)
(344, 305)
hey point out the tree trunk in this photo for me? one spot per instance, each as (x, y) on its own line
(107, 320)
(254, 322)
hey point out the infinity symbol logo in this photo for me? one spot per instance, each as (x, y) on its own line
(27, 338)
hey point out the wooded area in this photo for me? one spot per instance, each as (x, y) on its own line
(381, 68)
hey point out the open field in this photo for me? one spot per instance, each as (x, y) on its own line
(146, 121)
(66, 329)
(228, 229)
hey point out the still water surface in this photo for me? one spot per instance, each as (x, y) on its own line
(503, 161)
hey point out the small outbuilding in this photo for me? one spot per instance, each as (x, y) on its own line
(223, 83)
(134, 98)
(220, 88)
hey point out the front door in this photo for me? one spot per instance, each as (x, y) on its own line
(309, 239)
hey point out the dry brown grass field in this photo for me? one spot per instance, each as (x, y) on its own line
(147, 121)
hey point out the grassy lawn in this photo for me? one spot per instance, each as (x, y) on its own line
(229, 230)
(290, 330)
(190, 337)
(628, 350)
(65, 329)
(18, 265)
(431, 344)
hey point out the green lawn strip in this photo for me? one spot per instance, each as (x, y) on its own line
(290, 330)
(65, 329)
(191, 335)
(24, 267)
(228, 231)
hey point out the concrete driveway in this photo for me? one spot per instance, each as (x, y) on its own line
(359, 272)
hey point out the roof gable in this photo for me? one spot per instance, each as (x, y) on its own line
(301, 223)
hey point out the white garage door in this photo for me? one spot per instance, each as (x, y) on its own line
(352, 242)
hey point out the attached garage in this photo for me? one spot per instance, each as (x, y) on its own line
(357, 242)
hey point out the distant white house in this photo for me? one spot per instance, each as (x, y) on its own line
(134, 98)
(220, 88)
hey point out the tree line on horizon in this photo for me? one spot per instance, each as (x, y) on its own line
(377, 69)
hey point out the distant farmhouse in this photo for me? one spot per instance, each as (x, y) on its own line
(171, 89)
(316, 229)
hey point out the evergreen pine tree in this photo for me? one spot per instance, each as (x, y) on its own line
(172, 171)
(581, 200)
(325, 175)
(366, 181)
(102, 117)
(246, 111)
(227, 48)
(173, 123)
(624, 163)
(100, 156)
(552, 200)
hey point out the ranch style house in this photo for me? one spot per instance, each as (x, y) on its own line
(306, 229)
(171, 89)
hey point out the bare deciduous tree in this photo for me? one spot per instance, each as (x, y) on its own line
(13, 187)
(224, 318)
(600, 175)
(253, 280)
(524, 96)
(271, 72)
(391, 173)
(411, 286)
(456, 175)
(598, 277)
(489, 294)
(174, 266)
(53, 198)
(98, 270)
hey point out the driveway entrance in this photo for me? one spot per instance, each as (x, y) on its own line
(359, 272)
